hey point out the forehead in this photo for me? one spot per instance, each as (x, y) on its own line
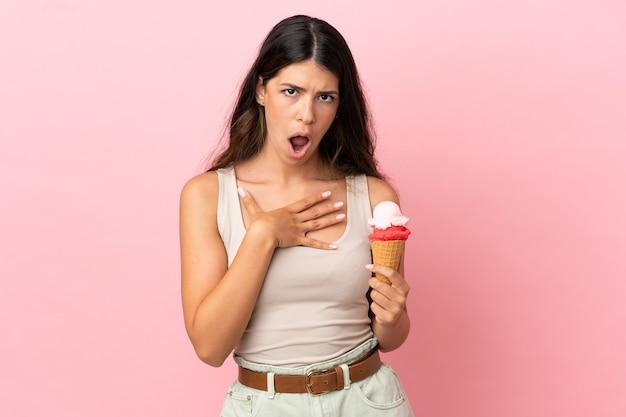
(307, 73)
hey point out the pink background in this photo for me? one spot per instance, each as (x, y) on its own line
(503, 124)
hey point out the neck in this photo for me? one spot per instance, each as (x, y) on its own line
(266, 168)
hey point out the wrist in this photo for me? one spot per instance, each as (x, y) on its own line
(262, 235)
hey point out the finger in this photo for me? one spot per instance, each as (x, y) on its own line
(313, 243)
(395, 295)
(319, 211)
(308, 202)
(248, 201)
(385, 271)
(322, 222)
(397, 281)
(381, 315)
(390, 301)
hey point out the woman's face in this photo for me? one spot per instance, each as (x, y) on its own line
(300, 102)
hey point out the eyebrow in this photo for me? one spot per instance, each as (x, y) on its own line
(298, 88)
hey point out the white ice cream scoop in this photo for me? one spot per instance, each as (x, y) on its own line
(386, 214)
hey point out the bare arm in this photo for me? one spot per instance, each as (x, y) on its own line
(390, 321)
(218, 301)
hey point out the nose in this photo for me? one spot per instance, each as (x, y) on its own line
(307, 112)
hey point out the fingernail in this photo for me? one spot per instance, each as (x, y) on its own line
(340, 216)
(325, 194)
(241, 192)
(369, 266)
(339, 204)
(332, 246)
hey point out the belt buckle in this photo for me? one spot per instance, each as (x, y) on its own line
(309, 386)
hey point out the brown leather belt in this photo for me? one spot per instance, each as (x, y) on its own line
(315, 382)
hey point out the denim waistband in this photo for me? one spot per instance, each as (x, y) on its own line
(347, 358)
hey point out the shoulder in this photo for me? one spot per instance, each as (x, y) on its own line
(381, 190)
(201, 189)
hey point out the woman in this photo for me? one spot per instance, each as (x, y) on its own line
(274, 247)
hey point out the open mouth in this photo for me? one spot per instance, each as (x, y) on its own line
(299, 144)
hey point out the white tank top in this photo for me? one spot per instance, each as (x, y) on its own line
(313, 304)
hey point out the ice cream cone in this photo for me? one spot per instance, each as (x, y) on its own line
(387, 253)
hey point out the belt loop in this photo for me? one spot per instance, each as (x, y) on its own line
(346, 376)
(271, 389)
(341, 382)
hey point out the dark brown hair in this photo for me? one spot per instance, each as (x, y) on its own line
(348, 145)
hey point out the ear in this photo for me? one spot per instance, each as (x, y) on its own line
(260, 92)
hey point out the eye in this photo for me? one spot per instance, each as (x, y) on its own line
(290, 92)
(327, 98)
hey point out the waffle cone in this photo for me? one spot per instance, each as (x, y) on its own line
(387, 253)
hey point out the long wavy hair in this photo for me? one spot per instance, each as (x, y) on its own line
(348, 145)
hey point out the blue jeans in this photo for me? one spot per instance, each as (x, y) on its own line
(378, 395)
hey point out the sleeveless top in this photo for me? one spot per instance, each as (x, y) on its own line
(313, 304)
